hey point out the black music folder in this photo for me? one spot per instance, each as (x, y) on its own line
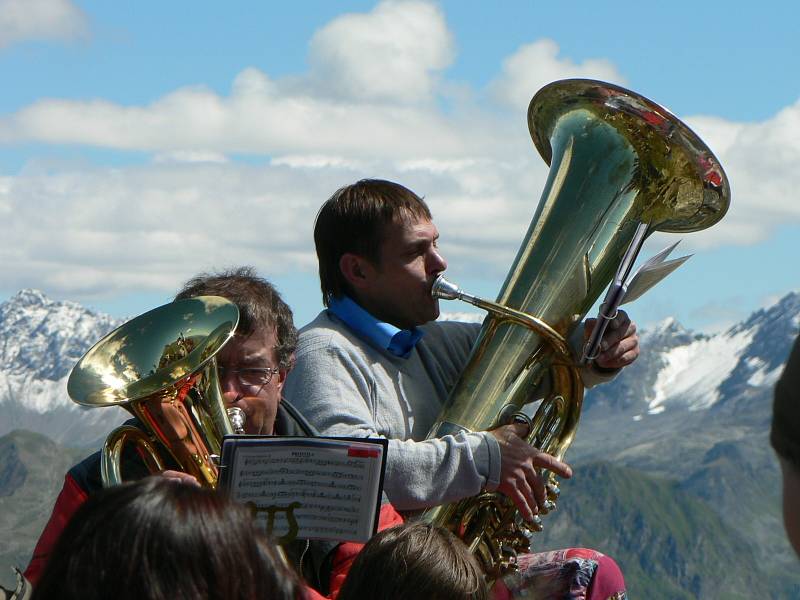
(307, 487)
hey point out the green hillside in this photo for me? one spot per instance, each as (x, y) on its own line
(669, 544)
(32, 469)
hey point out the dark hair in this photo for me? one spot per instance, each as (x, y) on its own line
(785, 432)
(352, 220)
(414, 560)
(156, 539)
(260, 305)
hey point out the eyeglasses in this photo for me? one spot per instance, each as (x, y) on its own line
(250, 376)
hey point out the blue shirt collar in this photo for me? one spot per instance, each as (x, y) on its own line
(399, 342)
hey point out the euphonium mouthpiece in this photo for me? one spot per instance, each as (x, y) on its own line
(237, 417)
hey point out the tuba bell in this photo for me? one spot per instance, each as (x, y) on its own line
(617, 160)
(161, 367)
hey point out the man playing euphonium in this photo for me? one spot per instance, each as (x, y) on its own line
(252, 367)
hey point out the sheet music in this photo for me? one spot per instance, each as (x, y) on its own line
(330, 487)
(651, 272)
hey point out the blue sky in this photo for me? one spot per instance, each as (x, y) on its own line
(143, 142)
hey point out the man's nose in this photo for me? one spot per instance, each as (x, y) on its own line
(436, 262)
(229, 385)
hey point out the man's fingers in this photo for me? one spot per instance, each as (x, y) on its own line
(620, 321)
(621, 355)
(537, 485)
(545, 461)
(180, 477)
(618, 329)
(522, 430)
(522, 496)
(616, 351)
(619, 363)
(628, 358)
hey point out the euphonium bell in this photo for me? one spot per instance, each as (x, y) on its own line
(161, 367)
(616, 160)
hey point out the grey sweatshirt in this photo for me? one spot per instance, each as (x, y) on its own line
(346, 386)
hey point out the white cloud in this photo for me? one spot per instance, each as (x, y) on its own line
(319, 161)
(761, 161)
(81, 229)
(366, 96)
(22, 20)
(150, 227)
(392, 53)
(190, 157)
(537, 64)
(259, 116)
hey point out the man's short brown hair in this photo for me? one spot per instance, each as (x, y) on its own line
(259, 303)
(352, 221)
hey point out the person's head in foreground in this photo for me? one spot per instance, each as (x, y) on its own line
(785, 438)
(156, 539)
(414, 560)
(376, 244)
(254, 364)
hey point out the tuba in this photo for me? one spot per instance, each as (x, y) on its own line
(617, 160)
(161, 367)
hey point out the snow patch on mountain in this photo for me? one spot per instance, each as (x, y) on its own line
(39, 395)
(764, 377)
(693, 372)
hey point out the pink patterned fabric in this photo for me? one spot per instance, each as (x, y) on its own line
(571, 574)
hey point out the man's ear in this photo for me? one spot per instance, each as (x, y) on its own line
(356, 269)
(281, 381)
(282, 373)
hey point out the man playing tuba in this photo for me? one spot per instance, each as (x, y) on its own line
(375, 364)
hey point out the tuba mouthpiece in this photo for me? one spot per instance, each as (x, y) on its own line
(444, 289)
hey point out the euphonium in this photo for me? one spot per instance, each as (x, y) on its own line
(616, 160)
(161, 367)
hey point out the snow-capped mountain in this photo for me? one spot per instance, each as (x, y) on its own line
(680, 371)
(40, 341)
(696, 409)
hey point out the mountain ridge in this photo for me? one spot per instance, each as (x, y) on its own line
(689, 419)
(40, 341)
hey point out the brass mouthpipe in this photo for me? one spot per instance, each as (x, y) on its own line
(444, 289)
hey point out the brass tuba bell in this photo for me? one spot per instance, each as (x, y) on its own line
(161, 367)
(616, 160)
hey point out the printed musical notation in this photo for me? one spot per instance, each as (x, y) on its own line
(335, 484)
(268, 461)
